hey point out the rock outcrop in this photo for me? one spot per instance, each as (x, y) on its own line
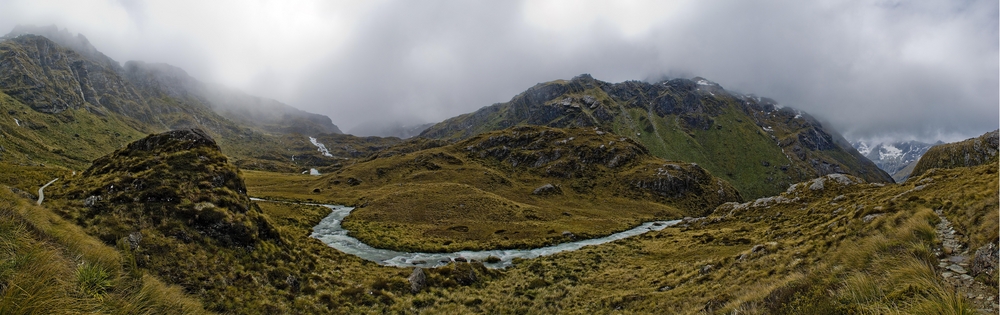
(971, 152)
(178, 182)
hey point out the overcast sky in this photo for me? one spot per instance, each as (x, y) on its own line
(924, 70)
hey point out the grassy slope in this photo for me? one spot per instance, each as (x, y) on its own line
(51, 266)
(449, 198)
(70, 139)
(817, 255)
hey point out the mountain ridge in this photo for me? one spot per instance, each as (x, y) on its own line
(758, 145)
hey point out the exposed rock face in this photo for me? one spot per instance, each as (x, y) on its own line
(52, 79)
(971, 152)
(691, 120)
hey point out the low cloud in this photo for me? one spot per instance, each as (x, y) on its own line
(924, 70)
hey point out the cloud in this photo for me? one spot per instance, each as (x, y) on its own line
(923, 70)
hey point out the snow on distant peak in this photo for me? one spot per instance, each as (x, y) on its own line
(321, 148)
(863, 148)
(889, 152)
(705, 82)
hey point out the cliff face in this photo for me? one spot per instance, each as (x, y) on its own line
(750, 141)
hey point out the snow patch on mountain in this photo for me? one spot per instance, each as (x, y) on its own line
(889, 152)
(862, 148)
(893, 157)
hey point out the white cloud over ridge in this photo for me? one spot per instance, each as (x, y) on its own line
(924, 70)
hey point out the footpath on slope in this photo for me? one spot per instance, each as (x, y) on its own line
(954, 269)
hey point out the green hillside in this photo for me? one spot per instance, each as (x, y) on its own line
(758, 146)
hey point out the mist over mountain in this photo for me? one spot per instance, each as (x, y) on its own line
(145, 187)
(389, 129)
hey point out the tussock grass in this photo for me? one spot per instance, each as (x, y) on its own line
(50, 266)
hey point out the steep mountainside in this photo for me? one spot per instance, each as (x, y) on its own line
(896, 158)
(66, 103)
(138, 82)
(971, 152)
(517, 187)
(752, 142)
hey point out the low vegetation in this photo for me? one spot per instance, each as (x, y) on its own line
(171, 209)
(51, 266)
(517, 188)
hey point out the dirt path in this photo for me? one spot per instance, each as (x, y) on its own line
(954, 269)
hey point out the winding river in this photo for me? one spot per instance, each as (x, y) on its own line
(331, 233)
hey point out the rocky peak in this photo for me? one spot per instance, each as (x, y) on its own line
(63, 37)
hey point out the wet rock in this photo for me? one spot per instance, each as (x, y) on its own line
(417, 279)
(569, 234)
(461, 259)
(547, 189)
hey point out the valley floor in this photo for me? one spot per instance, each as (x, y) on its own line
(826, 246)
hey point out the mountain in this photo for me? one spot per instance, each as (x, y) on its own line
(159, 80)
(752, 142)
(389, 129)
(895, 158)
(970, 152)
(64, 102)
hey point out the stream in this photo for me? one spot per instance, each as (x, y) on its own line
(331, 233)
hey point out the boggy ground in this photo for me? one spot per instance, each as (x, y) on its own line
(516, 188)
